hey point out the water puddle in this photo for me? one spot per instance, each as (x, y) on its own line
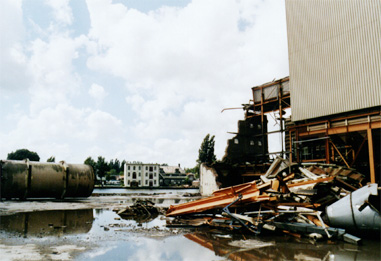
(158, 201)
(99, 234)
(48, 223)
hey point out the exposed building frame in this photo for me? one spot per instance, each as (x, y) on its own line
(362, 124)
(270, 97)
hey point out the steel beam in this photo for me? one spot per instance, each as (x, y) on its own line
(371, 156)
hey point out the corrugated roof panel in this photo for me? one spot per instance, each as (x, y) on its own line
(334, 56)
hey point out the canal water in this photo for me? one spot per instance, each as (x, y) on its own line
(101, 234)
(126, 191)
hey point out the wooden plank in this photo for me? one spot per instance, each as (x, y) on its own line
(310, 182)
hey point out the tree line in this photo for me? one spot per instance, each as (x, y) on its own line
(104, 169)
(101, 167)
(115, 167)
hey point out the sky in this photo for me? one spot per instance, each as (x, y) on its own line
(136, 80)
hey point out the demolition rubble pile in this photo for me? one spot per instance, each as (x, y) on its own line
(312, 200)
(141, 211)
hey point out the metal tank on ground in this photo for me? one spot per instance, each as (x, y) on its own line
(31, 179)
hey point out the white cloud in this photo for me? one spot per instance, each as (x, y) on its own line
(192, 62)
(12, 58)
(61, 11)
(66, 132)
(180, 68)
(98, 93)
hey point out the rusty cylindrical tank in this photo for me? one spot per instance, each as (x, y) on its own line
(31, 179)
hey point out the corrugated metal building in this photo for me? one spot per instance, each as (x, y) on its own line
(335, 82)
(334, 56)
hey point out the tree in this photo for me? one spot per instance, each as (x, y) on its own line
(206, 151)
(22, 154)
(193, 170)
(117, 166)
(122, 167)
(102, 167)
(51, 159)
(89, 161)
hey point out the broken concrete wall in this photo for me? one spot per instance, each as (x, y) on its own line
(208, 182)
(250, 144)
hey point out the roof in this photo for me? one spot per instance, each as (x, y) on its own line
(172, 169)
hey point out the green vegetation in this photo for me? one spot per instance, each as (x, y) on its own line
(22, 154)
(206, 151)
(205, 155)
(51, 159)
(103, 169)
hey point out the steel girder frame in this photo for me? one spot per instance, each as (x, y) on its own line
(327, 128)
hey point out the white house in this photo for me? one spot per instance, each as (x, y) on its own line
(139, 174)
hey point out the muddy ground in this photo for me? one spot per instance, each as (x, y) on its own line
(84, 229)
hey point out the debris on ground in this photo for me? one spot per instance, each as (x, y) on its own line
(141, 211)
(295, 199)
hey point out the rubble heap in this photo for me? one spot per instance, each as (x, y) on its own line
(141, 211)
(290, 198)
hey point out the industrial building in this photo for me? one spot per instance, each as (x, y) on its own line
(335, 83)
(333, 91)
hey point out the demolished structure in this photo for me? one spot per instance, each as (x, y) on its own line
(309, 200)
(327, 171)
(333, 94)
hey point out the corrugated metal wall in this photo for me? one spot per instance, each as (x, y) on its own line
(334, 56)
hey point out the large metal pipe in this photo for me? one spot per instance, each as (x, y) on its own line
(30, 179)
(355, 211)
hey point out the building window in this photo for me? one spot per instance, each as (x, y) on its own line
(146, 168)
(134, 175)
(154, 175)
(146, 182)
(259, 126)
(140, 167)
(252, 143)
(251, 125)
(128, 173)
(146, 174)
(150, 168)
(259, 143)
(236, 141)
(139, 174)
(155, 168)
(128, 167)
(139, 183)
(154, 182)
(128, 182)
(133, 167)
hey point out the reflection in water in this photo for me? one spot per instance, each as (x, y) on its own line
(156, 191)
(170, 248)
(239, 247)
(48, 223)
(157, 201)
(118, 239)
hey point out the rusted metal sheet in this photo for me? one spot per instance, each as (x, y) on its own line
(29, 179)
(80, 180)
(221, 198)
